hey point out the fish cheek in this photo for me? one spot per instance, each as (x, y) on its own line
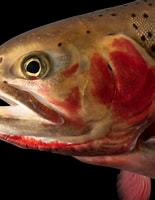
(66, 93)
(72, 102)
(83, 93)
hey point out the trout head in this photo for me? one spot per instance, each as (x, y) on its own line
(73, 100)
(78, 86)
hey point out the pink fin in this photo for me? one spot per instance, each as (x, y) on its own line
(132, 186)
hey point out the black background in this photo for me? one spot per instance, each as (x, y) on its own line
(43, 174)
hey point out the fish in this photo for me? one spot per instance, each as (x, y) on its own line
(85, 87)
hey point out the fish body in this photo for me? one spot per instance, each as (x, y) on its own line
(85, 87)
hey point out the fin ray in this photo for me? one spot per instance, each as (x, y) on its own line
(132, 186)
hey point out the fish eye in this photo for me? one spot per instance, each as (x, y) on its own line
(35, 66)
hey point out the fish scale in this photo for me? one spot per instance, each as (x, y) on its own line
(140, 19)
(144, 24)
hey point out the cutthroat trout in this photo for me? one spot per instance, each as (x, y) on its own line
(85, 87)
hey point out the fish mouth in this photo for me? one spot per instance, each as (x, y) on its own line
(20, 104)
(26, 116)
(27, 122)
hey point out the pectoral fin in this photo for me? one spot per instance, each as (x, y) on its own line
(132, 186)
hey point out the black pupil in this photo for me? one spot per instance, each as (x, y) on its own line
(33, 67)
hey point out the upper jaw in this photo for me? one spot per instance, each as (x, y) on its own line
(23, 105)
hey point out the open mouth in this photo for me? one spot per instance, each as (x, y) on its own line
(19, 113)
(29, 116)
(19, 104)
(3, 103)
(27, 122)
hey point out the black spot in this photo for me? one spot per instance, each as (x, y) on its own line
(113, 14)
(133, 15)
(143, 38)
(135, 26)
(100, 15)
(150, 34)
(111, 34)
(149, 4)
(153, 47)
(145, 0)
(145, 15)
(59, 44)
(1, 59)
(109, 67)
(88, 31)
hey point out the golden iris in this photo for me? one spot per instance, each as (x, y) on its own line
(34, 66)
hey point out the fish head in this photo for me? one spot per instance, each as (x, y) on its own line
(53, 90)
(75, 89)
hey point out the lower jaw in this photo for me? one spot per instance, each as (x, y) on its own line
(91, 148)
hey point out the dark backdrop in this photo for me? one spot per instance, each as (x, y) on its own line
(42, 174)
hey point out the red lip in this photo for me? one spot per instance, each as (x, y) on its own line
(102, 146)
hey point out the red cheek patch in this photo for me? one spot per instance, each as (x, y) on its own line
(135, 80)
(72, 103)
(68, 72)
(102, 78)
